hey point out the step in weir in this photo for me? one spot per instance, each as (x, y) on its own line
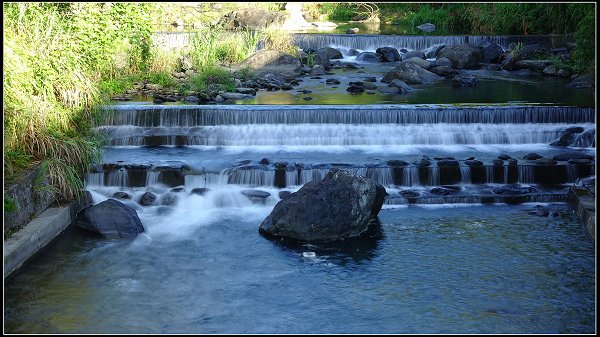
(202, 115)
(255, 175)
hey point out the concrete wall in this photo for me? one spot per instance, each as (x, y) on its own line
(584, 204)
(31, 196)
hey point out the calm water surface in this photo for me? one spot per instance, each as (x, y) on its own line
(205, 269)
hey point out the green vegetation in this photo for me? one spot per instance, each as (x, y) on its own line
(216, 78)
(210, 47)
(56, 56)
(10, 205)
(483, 19)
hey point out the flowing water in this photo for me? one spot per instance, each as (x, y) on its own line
(463, 260)
(205, 269)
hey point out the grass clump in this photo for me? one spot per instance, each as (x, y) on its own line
(215, 77)
(55, 58)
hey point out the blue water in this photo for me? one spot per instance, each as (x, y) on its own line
(205, 269)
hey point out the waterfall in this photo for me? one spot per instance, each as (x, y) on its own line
(197, 115)
(410, 176)
(465, 175)
(94, 179)
(526, 175)
(370, 42)
(152, 178)
(118, 178)
(343, 134)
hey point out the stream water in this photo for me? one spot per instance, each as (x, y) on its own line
(205, 269)
(468, 261)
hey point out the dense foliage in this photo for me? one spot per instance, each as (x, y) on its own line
(55, 56)
(485, 19)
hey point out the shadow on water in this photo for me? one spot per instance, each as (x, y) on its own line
(355, 249)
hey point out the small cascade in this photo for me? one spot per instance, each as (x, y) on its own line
(252, 178)
(118, 178)
(410, 176)
(571, 173)
(343, 134)
(526, 174)
(192, 181)
(180, 116)
(465, 175)
(489, 174)
(434, 176)
(94, 179)
(152, 178)
(367, 42)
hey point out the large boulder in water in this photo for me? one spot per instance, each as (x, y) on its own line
(490, 52)
(331, 53)
(368, 56)
(410, 73)
(276, 61)
(111, 219)
(465, 55)
(339, 206)
(388, 54)
(252, 18)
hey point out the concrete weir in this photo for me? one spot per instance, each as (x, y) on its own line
(584, 205)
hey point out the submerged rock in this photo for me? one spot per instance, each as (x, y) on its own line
(111, 219)
(463, 80)
(339, 206)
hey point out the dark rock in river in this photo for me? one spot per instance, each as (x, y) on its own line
(410, 73)
(448, 162)
(284, 194)
(411, 54)
(490, 52)
(545, 161)
(256, 196)
(464, 80)
(199, 191)
(331, 53)
(251, 18)
(121, 195)
(444, 191)
(388, 54)
(443, 70)
(441, 61)
(431, 52)
(465, 55)
(404, 88)
(532, 156)
(338, 207)
(513, 190)
(367, 56)
(147, 199)
(273, 61)
(504, 157)
(111, 219)
(583, 82)
(332, 81)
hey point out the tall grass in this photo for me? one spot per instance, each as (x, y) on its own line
(213, 46)
(278, 39)
(54, 57)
